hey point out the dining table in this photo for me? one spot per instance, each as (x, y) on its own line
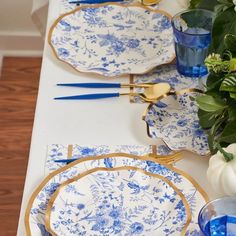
(113, 121)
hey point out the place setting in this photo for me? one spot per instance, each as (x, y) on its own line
(115, 179)
(138, 189)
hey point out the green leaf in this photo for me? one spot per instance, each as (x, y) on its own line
(229, 133)
(209, 103)
(225, 2)
(232, 111)
(206, 119)
(208, 4)
(229, 83)
(233, 95)
(203, 4)
(230, 42)
(219, 8)
(214, 81)
(225, 23)
(194, 3)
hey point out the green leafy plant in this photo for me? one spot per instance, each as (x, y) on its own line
(224, 23)
(217, 107)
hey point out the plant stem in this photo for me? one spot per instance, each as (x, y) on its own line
(228, 156)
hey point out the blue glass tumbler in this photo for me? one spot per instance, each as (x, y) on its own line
(218, 217)
(192, 34)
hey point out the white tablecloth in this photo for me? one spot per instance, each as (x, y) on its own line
(110, 121)
(39, 15)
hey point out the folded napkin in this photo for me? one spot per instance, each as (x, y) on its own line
(60, 152)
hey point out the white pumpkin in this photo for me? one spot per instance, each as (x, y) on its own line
(221, 174)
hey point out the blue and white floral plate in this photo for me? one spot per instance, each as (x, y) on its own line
(117, 201)
(175, 121)
(38, 203)
(113, 39)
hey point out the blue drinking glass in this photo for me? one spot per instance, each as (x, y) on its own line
(192, 34)
(218, 217)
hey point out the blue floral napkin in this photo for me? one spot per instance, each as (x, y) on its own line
(60, 152)
(66, 6)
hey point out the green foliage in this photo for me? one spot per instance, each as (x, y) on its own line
(223, 6)
(224, 24)
(194, 3)
(207, 119)
(229, 83)
(217, 107)
(204, 4)
(230, 42)
(233, 95)
(229, 133)
(210, 104)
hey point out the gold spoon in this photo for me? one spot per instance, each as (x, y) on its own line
(152, 92)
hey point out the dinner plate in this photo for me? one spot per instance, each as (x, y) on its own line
(113, 39)
(36, 208)
(174, 119)
(119, 201)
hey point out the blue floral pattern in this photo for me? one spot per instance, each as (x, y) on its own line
(37, 213)
(117, 203)
(177, 124)
(114, 39)
(59, 151)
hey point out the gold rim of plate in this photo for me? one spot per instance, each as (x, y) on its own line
(97, 6)
(145, 158)
(94, 170)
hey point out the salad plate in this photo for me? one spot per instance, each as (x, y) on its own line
(38, 203)
(118, 201)
(113, 39)
(174, 119)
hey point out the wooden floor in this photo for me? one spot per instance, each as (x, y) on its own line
(18, 92)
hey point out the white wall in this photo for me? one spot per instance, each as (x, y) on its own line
(18, 35)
